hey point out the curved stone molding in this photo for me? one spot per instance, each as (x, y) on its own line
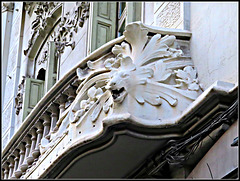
(47, 14)
(44, 54)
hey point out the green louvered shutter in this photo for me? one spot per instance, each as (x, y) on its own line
(33, 93)
(103, 23)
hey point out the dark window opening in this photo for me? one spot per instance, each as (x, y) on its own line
(121, 6)
(41, 74)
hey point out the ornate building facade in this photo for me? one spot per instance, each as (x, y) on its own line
(119, 90)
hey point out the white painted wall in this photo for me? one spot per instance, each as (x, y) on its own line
(214, 41)
(71, 58)
(11, 56)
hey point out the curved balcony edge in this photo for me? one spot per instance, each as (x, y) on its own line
(68, 76)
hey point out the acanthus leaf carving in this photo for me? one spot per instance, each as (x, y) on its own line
(151, 75)
(187, 76)
(141, 68)
(161, 73)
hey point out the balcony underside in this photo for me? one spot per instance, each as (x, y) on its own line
(124, 148)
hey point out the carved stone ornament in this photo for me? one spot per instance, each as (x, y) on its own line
(19, 97)
(42, 12)
(63, 36)
(44, 54)
(146, 81)
(7, 6)
(29, 6)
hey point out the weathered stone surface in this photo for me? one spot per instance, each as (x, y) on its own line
(169, 15)
(12, 59)
(164, 14)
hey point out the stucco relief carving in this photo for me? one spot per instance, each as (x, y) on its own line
(68, 26)
(145, 80)
(169, 15)
(140, 72)
(19, 97)
(29, 6)
(7, 6)
(44, 54)
(42, 12)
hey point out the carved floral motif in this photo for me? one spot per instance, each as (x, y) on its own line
(139, 69)
(44, 54)
(63, 36)
(19, 97)
(42, 13)
(187, 76)
(142, 73)
(93, 94)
